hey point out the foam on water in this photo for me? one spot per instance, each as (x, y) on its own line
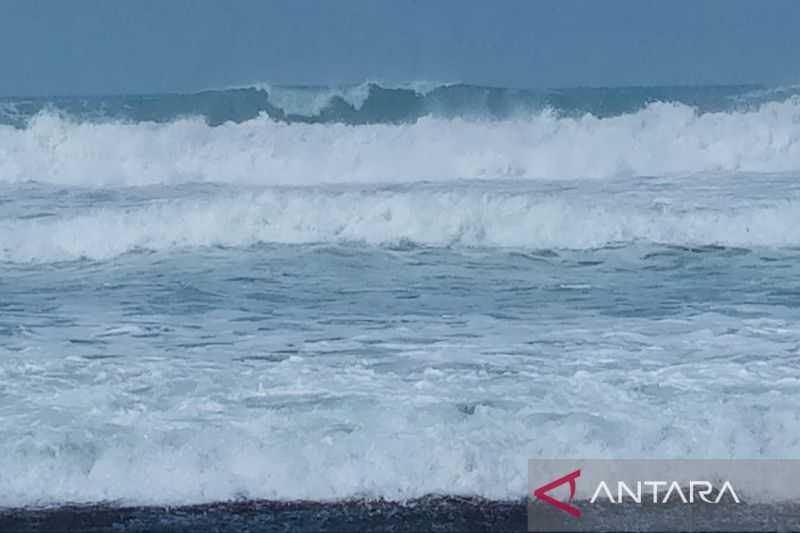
(450, 217)
(224, 305)
(451, 417)
(662, 139)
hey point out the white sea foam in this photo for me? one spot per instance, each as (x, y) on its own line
(662, 139)
(181, 380)
(458, 217)
(456, 416)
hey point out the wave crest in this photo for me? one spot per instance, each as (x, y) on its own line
(376, 103)
(444, 218)
(662, 140)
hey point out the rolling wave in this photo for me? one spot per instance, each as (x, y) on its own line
(373, 103)
(660, 140)
(430, 218)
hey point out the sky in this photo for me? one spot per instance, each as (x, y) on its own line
(58, 47)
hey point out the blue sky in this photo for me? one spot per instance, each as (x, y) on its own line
(124, 46)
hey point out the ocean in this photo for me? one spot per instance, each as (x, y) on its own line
(376, 299)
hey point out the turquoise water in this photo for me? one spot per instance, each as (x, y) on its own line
(326, 293)
(375, 103)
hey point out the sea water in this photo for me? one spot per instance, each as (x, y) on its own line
(312, 293)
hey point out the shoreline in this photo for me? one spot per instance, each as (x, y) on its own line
(434, 513)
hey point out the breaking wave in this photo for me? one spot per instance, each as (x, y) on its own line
(662, 139)
(461, 217)
(374, 103)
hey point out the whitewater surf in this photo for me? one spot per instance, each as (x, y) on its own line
(379, 300)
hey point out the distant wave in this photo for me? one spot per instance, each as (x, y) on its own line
(662, 139)
(373, 103)
(461, 217)
(316, 101)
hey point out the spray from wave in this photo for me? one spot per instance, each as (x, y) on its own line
(381, 103)
(662, 139)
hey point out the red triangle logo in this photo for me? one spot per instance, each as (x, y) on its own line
(570, 478)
